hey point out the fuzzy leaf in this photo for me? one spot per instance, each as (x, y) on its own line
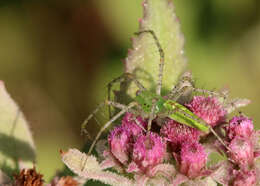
(143, 60)
(222, 173)
(75, 160)
(166, 170)
(208, 181)
(159, 175)
(15, 137)
(236, 103)
(179, 179)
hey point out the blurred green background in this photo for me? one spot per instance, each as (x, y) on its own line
(57, 56)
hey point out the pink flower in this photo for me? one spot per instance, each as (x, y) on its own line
(178, 133)
(148, 151)
(119, 141)
(242, 151)
(245, 178)
(192, 159)
(240, 126)
(207, 108)
(122, 138)
(130, 124)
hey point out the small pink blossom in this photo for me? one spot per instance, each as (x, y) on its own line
(148, 151)
(242, 151)
(129, 123)
(240, 126)
(245, 178)
(192, 159)
(178, 133)
(119, 141)
(207, 108)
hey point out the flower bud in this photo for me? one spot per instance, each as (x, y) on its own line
(178, 133)
(129, 123)
(148, 151)
(192, 160)
(240, 126)
(119, 141)
(242, 151)
(207, 108)
(245, 178)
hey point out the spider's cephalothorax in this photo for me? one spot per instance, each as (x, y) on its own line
(146, 100)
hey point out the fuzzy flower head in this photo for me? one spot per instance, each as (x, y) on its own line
(28, 177)
(240, 126)
(245, 178)
(242, 151)
(149, 150)
(130, 124)
(119, 141)
(207, 108)
(192, 159)
(178, 133)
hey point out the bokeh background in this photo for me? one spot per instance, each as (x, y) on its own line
(56, 57)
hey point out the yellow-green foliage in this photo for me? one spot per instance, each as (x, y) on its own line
(143, 60)
(15, 137)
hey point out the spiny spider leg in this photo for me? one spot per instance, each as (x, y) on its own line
(236, 103)
(178, 94)
(211, 129)
(185, 81)
(132, 104)
(219, 138)
(211, 93)
(84, 124)
(110, 103)
(138, 84)
(120, 79)
(161, 65)
(97, 121)
(121, 106)
(160, 75)
(151, 116)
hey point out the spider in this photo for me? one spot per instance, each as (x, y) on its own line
(153, 105)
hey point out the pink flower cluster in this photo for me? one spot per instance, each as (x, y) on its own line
(139, 152)
(184, 140)
(185, 147)
(176, 134)
(135, 149)
(243, 150)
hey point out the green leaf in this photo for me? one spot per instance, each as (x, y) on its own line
(15, 137)
(143, 60)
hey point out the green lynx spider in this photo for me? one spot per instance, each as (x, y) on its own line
(153, 104)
